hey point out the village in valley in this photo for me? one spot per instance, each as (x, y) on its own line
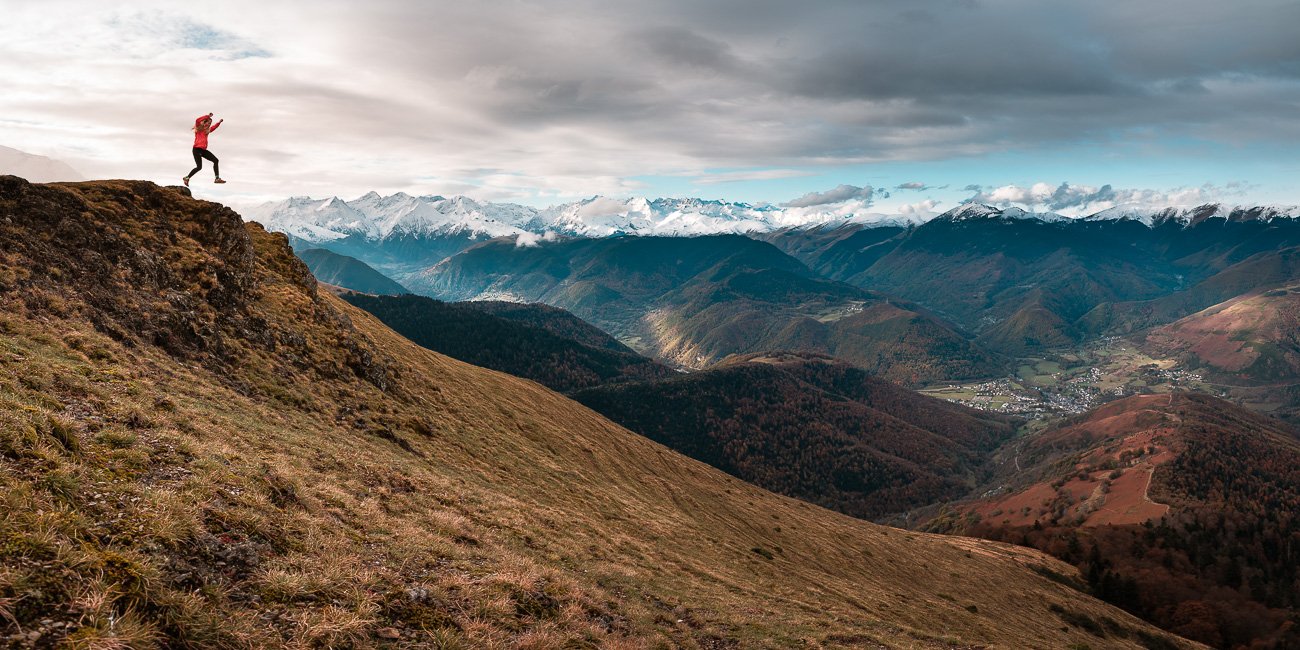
(1074, 381)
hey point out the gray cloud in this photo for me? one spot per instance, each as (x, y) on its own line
(590, 94)
(838, 194)
(730, 81)
(912, 185)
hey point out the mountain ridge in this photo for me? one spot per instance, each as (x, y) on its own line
(201, 448)
(380, 217)
(696, 300)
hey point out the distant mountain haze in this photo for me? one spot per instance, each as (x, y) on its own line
(37, 169)
(348, 272)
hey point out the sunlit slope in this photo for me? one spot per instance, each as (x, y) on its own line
(199, 449)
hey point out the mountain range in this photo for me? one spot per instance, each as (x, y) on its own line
(696, 300)
(399, 215)
(1023, 283)
(201, 448)
(401, 234)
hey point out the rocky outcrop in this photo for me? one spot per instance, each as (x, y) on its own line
(148, 265)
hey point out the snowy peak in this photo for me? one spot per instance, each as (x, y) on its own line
(602, 217)
(375, 217)
(1148, 216)
(973, 211)
(1193, 216)
(1123, 213)
(315, 219)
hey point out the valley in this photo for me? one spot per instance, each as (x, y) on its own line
(1069, 382)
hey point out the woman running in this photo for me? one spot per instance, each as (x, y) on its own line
(202, 127)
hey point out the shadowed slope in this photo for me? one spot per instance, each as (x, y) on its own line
(198, 449)
(465, 331)
(348, 272)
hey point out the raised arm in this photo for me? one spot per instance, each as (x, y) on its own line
(214, 126)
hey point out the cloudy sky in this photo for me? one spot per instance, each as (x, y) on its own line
(898, 106)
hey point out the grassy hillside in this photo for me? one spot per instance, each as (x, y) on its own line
(199, 449)
(814, 428)
(348, 272)
(1181, 508)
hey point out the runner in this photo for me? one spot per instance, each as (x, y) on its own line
(202, 127)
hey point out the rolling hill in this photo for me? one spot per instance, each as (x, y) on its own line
(348, 272)
(1178, 507)
(201, 449)
(813, 428)
(1251, 338)
(695, 301)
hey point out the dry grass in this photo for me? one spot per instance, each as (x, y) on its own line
(169, 498)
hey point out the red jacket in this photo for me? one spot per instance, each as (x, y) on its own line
(200, 136)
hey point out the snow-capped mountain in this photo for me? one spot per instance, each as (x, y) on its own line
(401, 216)
(604, 217)
(971, 211)
(375, 217)
(378, 218)
(1145, 215)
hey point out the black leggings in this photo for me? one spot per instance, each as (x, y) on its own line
(199, 155)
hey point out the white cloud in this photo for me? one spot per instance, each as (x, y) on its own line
(1069, 199)
(921, 209)
(529, 240)
(569, 98)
